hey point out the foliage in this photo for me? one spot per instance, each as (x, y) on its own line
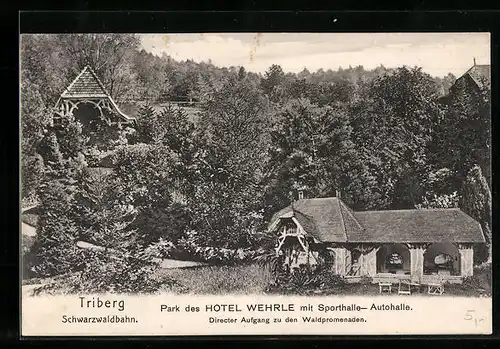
(147, 175)
(463, 136)
(229, 168)
(54, 250)
(34, 120)
(476, 201)
(113, 273)
(105, 218)
(305, 281)
(441, 201)
(273, 83)
(392, 126)
(312, 147)
(204, 187)
(28, 258)
(213, 254)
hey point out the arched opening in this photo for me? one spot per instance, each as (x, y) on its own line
(442, 258)
(88, 114)
(393, 259)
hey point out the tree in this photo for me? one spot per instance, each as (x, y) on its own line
(230, 165)
(53, 61)
(55, 247)
(148, 174)
(440, 191)
(463, 135)
(44, 66)
(273, 82)
(312, 147)
(150, 75)
(34, 121)
(104, 217)
(242, 74)
(476, 202)
(109, 55)
(393, 121)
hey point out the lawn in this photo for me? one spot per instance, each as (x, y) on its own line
(254, 279)
(216, 280)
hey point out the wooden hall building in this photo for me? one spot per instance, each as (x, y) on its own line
(417, 244)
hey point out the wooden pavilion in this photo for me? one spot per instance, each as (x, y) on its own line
(416, 244)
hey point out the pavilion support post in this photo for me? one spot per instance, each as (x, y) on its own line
(416, 260)
(340, 261)
(370, 261)
(466, 259)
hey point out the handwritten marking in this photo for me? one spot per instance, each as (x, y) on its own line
(470, 315)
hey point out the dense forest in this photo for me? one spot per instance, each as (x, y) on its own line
(205, 184)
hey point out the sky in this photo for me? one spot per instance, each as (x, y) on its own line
(437, 53)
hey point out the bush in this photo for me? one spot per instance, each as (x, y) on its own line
(366, 280)
(108, 272)
(54, 248)
(304, 281)
(214, 255)
(471, 282)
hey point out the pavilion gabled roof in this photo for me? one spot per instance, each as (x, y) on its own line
(85, 85)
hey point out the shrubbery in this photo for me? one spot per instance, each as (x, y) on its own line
(110, 272)
(305, 281)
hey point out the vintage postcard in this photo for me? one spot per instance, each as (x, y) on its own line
(255, 184)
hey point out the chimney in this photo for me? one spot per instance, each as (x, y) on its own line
(474, 59)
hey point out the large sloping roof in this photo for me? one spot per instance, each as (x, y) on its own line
(430, 225)
(481, 75)
(330, 220)
(86, 84)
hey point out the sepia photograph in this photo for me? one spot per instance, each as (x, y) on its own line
(256, 164)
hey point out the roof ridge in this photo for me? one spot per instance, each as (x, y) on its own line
(97, 78)
(352, 215)
(328, 197)
(342, 220)
(413, 209)
(302, 213)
